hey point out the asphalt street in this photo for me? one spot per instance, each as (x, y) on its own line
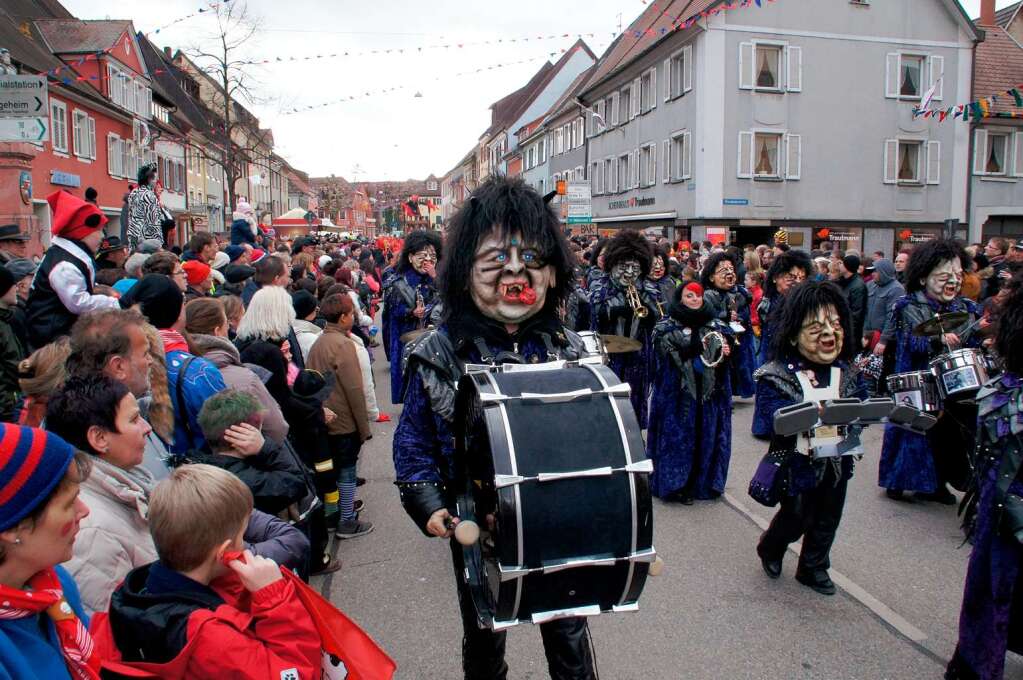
(713, 613)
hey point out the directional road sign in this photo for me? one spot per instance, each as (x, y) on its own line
(23, 97)
(24, 129)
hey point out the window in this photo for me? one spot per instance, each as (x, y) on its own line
(997, 153)
(910, 76)
(611, 174)
(678, 73)
(767, 155)
(678, 160)
(611, 115)
(84, 134)
(912, 161)
(770, 67)
(908, 163)
(578, 126)
(114, 157)
(648, 90)
(648, 165)
(58, 125)
(559, 141)
(625, 171)
(543, 149)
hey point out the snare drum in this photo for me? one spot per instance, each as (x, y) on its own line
(596, 353)
(567, 521)
(960, 372)
(918, 389)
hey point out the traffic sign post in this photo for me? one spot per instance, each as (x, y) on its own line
(24, 109)
(24, 129)
(580, 209)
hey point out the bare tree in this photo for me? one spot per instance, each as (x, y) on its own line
(240, 142)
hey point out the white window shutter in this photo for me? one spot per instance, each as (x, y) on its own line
(666, 154)
(746, 66)
(687, 156)
(937, 69)
(92, 138)
(794, 60)
(634, 96)
(891, 76)
(979, 151)
(111, 153)
(891, 161)
(934, 162)
(634, 165)
(745, 160)
(1017, 154)
(614, 108)
(687, 68)
(652, 179)
(653, 88)
(794, 156)
(667, 79)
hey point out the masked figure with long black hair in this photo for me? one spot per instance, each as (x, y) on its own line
(730, 303)
(408, 296)
(507, 272)
(144, 213)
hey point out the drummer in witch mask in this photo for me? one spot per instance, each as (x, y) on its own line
(945, 281)
(820, 337)
(510, 278)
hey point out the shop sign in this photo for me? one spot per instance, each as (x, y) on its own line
(631, 203)
(65, 179)
(915, 235)
(717, 235)
(838, 235)
(735, 201)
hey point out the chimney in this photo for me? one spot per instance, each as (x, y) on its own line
(987, 13)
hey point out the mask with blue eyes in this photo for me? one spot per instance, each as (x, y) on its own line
(506, 273)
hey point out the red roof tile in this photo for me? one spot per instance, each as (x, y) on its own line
(73, 36)
(999, 66)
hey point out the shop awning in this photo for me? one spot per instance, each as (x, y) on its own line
(637, 218)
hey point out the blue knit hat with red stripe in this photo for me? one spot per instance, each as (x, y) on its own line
(32, 463)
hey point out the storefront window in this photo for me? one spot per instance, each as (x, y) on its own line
(907, 237)
(843, 238)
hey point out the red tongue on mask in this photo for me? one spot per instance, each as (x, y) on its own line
(527, 296)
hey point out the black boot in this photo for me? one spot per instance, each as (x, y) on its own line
(772, 567)
(817, 580)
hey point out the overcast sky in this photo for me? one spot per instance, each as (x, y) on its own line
(394, 135)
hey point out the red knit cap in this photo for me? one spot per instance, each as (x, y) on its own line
(72, 217)
(196, 271)
(695, 287)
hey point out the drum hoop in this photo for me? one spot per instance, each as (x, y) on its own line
(632, 481)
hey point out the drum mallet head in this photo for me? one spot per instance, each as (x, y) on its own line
(656, 567)
(467, 532)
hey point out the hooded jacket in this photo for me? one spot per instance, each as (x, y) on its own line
(855, 291)
(172, 627)
(882, 293)
(242, 231)
(222, 353)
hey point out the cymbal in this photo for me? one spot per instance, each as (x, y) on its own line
(412, 335)
(619, 344)
(941, 324)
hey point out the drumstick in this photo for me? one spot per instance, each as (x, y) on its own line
(656, 567)
(467, 532)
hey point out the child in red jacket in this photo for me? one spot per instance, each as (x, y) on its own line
(196, 614)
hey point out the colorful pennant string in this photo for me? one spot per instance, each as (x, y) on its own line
(979, 109)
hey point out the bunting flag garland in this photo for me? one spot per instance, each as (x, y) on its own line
(212, 7)
(979, 109)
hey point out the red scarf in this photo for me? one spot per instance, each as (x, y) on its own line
(46, 595)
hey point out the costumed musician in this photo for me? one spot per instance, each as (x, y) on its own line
(925, 464)
(690, 435)
(990, 622)
(626, 304)
(813, 345)
(508, 271)
(730, 303)
(408, 296)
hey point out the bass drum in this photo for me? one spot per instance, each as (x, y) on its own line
(551, 465)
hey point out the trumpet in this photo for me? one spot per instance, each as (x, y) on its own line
(632, 297)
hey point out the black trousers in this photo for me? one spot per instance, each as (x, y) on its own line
(952, 443)
(813, 515)
(565, 641)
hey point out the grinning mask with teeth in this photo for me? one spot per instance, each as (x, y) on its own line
(945, 281)
(626, 273)
(820, 337)
(510, 278)
(423, 261)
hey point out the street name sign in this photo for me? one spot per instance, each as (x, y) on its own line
(23, 97)
(580, 210)
(24, 129)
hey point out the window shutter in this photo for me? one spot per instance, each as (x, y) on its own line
(794, 156)
(687, 68)
(745, 162)
(1017, 154)
(652, 168)
(666, 152)
(634, 95)
(934, 162)
(891, 161)
(667, 79)
(794, 60)
(92, 138)
(746, 66)
(891, 76)
(613, 115)
(979, 151)
(653, 88)
(937, 69)
(111, 154)
(687, 156)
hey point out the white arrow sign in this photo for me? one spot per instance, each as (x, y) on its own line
(23, 97)
(24, 129)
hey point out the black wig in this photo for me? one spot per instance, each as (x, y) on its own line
(1009, 336)
(598, 247)
(146, 174)
(506, 206)
(926, 256)
(416, 241)
(712, 264)
(628, 245)
(660, 252)
(805, 299)
(785, 263)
